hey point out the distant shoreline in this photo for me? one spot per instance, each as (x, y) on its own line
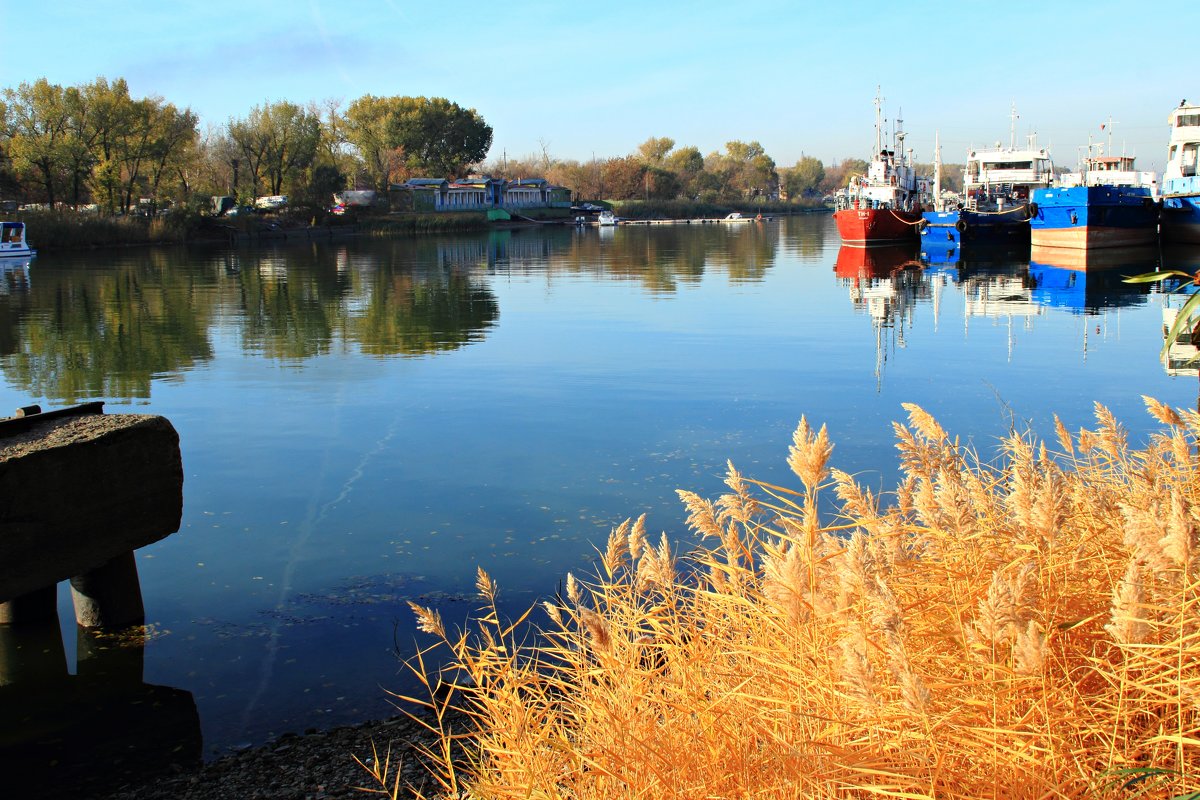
(57, 231)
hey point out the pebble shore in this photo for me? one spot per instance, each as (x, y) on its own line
(319, 765)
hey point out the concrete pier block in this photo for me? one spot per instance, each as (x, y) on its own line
(109, 596)
(79, 490)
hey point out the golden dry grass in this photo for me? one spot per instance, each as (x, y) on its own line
(1026, 628)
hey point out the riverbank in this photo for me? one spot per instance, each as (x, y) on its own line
(319, 765)
(51, 231)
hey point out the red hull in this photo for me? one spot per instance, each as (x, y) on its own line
(872, 263)
(861, 227)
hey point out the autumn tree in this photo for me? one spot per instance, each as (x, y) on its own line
(654, 150)
(837, 175)
(276, 142)
(623, 178)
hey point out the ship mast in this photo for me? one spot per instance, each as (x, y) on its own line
(878, 122)
(937, 174)
(1012, 127)
(1110, 124)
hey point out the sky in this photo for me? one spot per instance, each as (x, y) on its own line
(583, 80)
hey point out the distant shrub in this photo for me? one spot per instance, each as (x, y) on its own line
(1022, 629)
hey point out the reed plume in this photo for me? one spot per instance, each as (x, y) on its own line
(1022, 628)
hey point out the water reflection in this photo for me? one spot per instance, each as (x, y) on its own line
(82, 334)
(86, 734)
(888, 283)
(74, 333)
(1182, 356)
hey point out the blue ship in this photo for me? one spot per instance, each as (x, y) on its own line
(1106, 204)
(995, 206)
(1181, 184)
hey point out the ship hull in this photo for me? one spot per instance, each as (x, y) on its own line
(1181, 219)
(869, 227)
(1090, 217)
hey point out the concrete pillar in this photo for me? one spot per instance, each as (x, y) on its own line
(32, 654)
(109, 596)
(33, 608)
(113, 660)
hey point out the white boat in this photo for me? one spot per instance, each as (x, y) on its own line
(1181, 180)
(606, 218)
(12, 241)
(1002, 178)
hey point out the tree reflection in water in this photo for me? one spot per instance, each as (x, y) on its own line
(98, 326)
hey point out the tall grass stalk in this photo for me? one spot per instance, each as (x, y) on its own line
(1021, 628)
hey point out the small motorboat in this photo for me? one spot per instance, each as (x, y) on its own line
(12, 241)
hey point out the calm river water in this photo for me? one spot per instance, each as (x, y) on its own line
(366, 422)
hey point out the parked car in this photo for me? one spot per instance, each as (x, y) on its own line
(271, 202)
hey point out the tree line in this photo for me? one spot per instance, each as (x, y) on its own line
(96, 144)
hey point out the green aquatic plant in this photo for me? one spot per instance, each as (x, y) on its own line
(1189, 314)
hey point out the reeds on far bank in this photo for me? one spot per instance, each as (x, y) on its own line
(1021, 629)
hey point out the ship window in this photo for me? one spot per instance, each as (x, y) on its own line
(1187, 120)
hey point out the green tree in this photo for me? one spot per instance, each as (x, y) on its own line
(804, 179)
(750, 171)
(686, 164)
(277, 142)
(37, 126)
(439, 137)
(661, 184)
(367, 129)
(418, 135)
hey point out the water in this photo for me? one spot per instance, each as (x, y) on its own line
(365, 423)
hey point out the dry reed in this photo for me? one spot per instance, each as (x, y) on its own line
(1022, 629)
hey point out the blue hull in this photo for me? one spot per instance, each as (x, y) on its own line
(1084, 291)
(1083, 217)
(1181, 210)
(951, 236)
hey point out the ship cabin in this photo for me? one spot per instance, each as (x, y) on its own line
(1110, 171)
(1182, 175)
(1006, 173)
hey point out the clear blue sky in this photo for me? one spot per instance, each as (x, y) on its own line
(599, 78)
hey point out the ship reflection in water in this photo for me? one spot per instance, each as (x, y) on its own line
(1014, 286)
(886, 283)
